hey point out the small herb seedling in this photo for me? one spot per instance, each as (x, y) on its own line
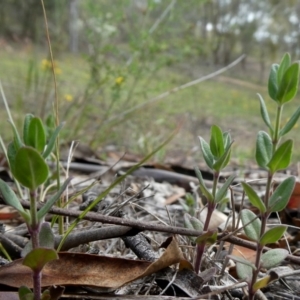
(271, 155)
(27, 161)
(216, 155)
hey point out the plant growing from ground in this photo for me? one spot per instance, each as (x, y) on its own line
(272, 155)
(217, 156)
(27, 157)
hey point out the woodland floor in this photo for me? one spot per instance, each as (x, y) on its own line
(117, 251)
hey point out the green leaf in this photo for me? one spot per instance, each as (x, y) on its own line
(226, 139)
(46, 239)
(272, 235)
(264, 149)
(284, 65)
(27, 121)
(228, 155)
(50, 125)
(190, 200)
(30, 170)
(263, 282)
(264, 113)
(280, 198)
(46, 295)
(273, 257)
(291, 123)
(273, 84)
(223, 204)
(208, 238)
(47, 206)
(224, 188)
(207, 155)
(252, 230)
(255, 200)
(192, 223)
(223, 161)
(203, 187)
(11, 155)
(36, 134)
(288, 86)
(52, 139)
(38, 258)
(11, 199)
(282, 157)
(244, 271)
(17, 140)
(25, 293)
(46, 236)
(53, 293)
(216, 141)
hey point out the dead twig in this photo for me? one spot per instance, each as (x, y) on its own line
(91, 216)
(86, 236)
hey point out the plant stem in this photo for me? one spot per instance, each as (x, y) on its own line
(259, 247)
(37, 278)
(34, 226)
(199, 253)
(276, 137)
(265, 215)
(210, 209)
(34, 229)
(215, 183)
(201, 246)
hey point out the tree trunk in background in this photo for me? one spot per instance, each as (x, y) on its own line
(73, 25)
(262, 61)
(32, 11)
(235, 26)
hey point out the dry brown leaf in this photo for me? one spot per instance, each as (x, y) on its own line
(8, 213)
(244, 252)
(89, 270)
(171, 256)
(294, 202)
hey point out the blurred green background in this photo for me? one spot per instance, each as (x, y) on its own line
(113, 55)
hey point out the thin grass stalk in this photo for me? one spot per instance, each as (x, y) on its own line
(56, 112)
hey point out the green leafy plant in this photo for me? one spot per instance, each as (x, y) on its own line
(272, 155)
(27, 157)
(217, 156)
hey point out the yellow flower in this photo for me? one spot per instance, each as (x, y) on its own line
(57, 70)
(68, 97)
(119, 80)
(47, 66)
